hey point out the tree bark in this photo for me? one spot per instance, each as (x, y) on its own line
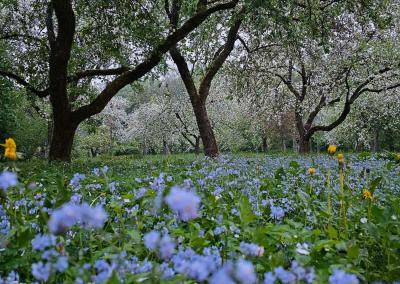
(206, 132)
(197, 145)
(264, 146)
(62, 141)
(165, 147)
(49, 136)
(304, 145)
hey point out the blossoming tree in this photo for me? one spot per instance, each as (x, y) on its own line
(54, 38)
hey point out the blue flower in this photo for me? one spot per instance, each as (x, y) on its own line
(76, 179)
(222, 276)
(96, 172)
(269, 278)
(104, 271)
(13, 277)
(286, 277)
(184, 203)
(41, 242)
(92, 217)
(342, 277)
(49, 254)
(140, 192)
(218, 190)
(167, 247)
(61, 264)
(105, 169)
(70, 214)
(251, 249)
(8, 179)
(219, 230)
(167, 272)
(244, 272)
(5, 224)
(196, 266)
(151, 240)
(41, 271)
(277, 212)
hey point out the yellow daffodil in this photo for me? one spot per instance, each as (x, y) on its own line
(10, 143)
(332, 149)
(367, 194)
(12, 155)
(10, 149)
(312, 171)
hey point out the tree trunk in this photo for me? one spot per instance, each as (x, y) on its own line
(304, 145)
(376, 147)
(294, 144)
(145, 148)
(205, 130)
(62, 141)
(264, 146)
(49, 136)
(197, 145)
(165, 147)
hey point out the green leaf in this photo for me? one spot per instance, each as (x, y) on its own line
(246, 212)
(113, 279)
(332, 232)
(374, 184)
(294, 164)
(353, 252)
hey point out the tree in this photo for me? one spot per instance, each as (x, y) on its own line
(67, 25)
(373, 123)
(356, 58)
(198, 95)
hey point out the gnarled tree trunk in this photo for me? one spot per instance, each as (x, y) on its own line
(304, 145)
(62, 141)
(205, 129)
(264, 146)
(197, 145)
(198, 96)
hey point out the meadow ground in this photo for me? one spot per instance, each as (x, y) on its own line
(246, 218)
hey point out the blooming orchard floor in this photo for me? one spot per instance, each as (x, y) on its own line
(182, 219)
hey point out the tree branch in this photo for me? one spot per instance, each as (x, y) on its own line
(152, 60)
(23, 82)
(185, 73)
(220, 58)
(16, 36)
(314, 113)
(351, 99)
(96, 72)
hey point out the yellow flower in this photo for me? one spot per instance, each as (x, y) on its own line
(10, 149)
(10, 154)
(311, 171)
(397, 158)
(10, 144)
(367, 194)
(332, 149)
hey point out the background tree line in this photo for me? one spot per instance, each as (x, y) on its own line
(180, 75)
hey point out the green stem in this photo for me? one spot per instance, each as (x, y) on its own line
(342, 201)
(328, 181)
